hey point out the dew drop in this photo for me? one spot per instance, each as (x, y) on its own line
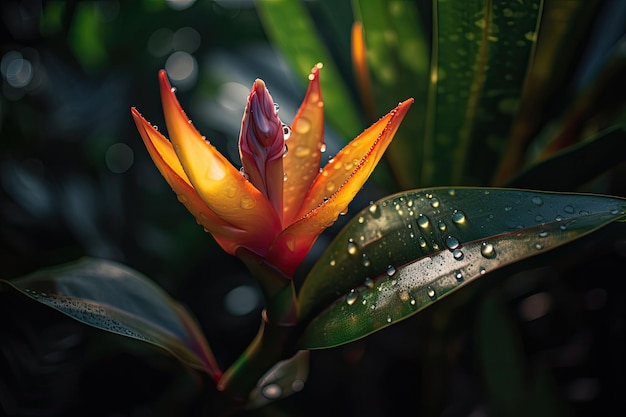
(568, 209)
(353, 249)
(272, 391)
(482, 270)
(330, 186)
(487, 250)
(391, 270)
(276, 107)
(543, 233)
(508, 208)
(404, 296)
(361, 219)
(458, 275)
(423, 221)
(538, 246)
(352, 296)
(442, 225)
(243, 173)
(323, 148)
(431, 292)
(182, 198)
(247, 202)
(458, 254)
(374, 211)
(536, 200)
(286, 131)
(434, 202)
(452, 242)
(365, 260)
(422, 242)
(369, 283)
(303, 126)
(333, 262)
(388, 319)
(458, 217)
(302, 151)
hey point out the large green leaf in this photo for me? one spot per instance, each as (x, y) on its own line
(481, 51)
(115, 298)
(398, 57)
(406, 251)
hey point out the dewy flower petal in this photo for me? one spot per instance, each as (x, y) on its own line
(278, 218)
(220, 185)
(164, 157)
(301, 164)
(350, 169)
(262, 145)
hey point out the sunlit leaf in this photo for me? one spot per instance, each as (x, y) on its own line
(398, 57)
(481, 52)
(115, 298)
(561, 37)
(290, 27)
(406, 251)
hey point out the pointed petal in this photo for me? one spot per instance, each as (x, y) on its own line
(262, 145)
(301, 164)
(324, 206)
(165, 159)
(217, 181)
(346, 173)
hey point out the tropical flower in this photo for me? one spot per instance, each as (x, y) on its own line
(281, 200)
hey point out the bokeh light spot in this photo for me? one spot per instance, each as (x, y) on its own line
(179, 4)
(186, 39)
(241, 300)
(160, 42)
(119, 158)
(182, 69)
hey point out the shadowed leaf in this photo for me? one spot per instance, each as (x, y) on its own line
(117, 299)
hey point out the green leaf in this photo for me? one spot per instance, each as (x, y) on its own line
(598, 155)
(406, 251)
(481, 53)
(115, 298)
(289, 26)
(398, 56)
(501, 359)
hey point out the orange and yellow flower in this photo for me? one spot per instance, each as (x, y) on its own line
(283, 200)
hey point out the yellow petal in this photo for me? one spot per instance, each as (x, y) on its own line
(220, 185)
(301, 164)
(324, 206)
(346, 173)
(164, 157)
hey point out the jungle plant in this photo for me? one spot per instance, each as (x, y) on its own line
(480, 179)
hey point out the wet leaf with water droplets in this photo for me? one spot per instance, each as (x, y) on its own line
(117, 299)
(412, 267)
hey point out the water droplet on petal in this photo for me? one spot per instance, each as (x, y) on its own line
(369, 283)
(568, 209)
(536, 200)
(373, 209)
(458, 254)
(323, 148)
(361, 219)
(391, 271)
(247, 202)
(333, 262)
(302, 151)
(182, 198)
(434, 202)
(365, 260)
(303, 126)
(487, 250)
(442, 225)
(286, 131)
(458, 275)
(543, 233)
(482, 270)
(243, 173)
(388, 319)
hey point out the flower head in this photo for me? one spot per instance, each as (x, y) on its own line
(284, 200)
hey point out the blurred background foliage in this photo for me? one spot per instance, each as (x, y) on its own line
(75, 180)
